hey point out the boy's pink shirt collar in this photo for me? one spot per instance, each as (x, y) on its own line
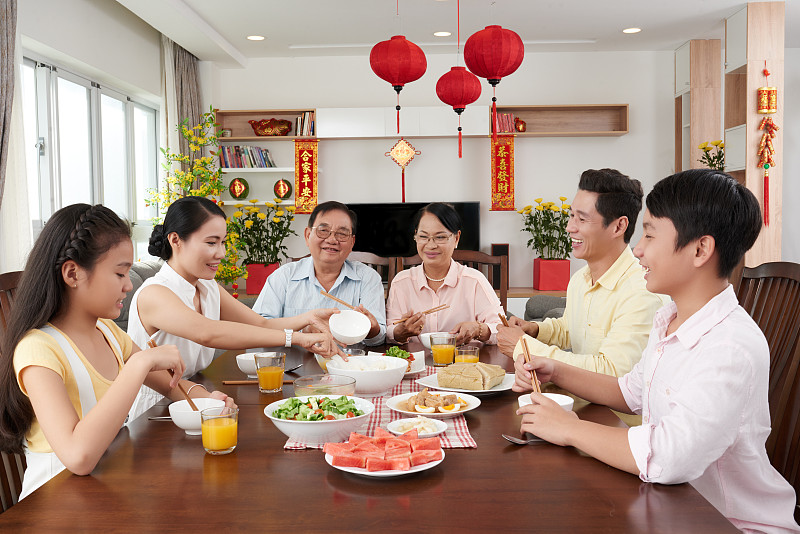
(703, 320)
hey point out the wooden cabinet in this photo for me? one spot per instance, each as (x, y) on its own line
(754, 35)
(697, 106)
(590, 120)
(240, 130)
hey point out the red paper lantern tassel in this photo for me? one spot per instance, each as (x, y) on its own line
(766, 195)
(403, 181)
(494, 115)
(398, 113)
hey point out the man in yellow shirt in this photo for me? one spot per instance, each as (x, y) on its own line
(609, 312)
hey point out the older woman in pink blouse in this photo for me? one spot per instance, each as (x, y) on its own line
(474, 306)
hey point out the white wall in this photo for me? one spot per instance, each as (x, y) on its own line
(99, 38)
(790, 246)
(358, 171)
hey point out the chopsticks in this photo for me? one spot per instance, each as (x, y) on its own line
(248, 382)
(435, 309)
(503, 319)
(340, 301)
(534, 379)
(152, 345)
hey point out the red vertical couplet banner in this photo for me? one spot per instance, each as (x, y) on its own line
(305, 175)
(502, 161)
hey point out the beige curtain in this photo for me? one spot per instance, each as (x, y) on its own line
(187, 90)
(8, 36)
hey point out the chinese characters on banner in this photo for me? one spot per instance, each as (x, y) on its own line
(305, 175)
(502, 161)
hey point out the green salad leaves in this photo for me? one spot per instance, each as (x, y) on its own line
(317, 409)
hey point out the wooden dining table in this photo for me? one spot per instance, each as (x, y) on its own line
(154, 477)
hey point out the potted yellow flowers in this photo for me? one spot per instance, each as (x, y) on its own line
(713, 155)
(260, 232)
(547, 224)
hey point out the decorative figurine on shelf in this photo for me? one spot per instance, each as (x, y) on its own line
(239, 188)
(520, 125)
(269, 127)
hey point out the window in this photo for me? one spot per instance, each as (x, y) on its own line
(87, 143)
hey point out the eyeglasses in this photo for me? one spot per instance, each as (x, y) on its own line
(324, 232)
(439, 239)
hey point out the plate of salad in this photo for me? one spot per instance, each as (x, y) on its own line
(318, 419)
(416, 360)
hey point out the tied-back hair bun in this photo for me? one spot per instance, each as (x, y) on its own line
(158, 243)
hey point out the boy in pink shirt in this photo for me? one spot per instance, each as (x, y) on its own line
(701, 385)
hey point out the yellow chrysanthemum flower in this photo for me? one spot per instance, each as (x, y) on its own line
(248, 224)
(566, 206)
(280, 213)
(562, 199)
(716, 143)
(722, 145)
(539, 208)
(270, 204)
(275, 219)
(520, 211)
(291, 208)
(538, 200)
(703, 146)
(253, 200)
(555, 209)
(239, 205)
(237, 213)
(262, 216)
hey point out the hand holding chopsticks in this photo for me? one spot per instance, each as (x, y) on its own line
(152, 345)
(435, 309)
(534, 379)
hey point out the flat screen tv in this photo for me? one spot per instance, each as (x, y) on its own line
(387, 229)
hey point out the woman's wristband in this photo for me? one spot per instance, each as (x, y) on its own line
(194, 386)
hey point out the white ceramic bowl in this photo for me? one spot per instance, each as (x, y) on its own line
(247, 363)
(371, 382)
(565, 401)
(425, 338)
(319, 432)
(186, 418)
(349, 326)
(323, 361)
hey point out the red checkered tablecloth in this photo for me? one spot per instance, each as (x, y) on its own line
(456, 436)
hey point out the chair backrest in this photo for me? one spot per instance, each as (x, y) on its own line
(476, 259)
(11, 473)
(771, 295)
(8, 285)
(386, 267)
(13, 465)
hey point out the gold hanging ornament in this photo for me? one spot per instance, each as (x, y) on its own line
(402, 153)
(767, 104)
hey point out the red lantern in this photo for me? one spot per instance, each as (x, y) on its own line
(494, 53)
(458, 88)
(398, 61)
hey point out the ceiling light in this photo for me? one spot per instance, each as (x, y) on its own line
(631, 30)
(255, 37)
(442, 34)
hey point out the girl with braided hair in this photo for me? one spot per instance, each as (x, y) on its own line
(182, 305)
(68, 374)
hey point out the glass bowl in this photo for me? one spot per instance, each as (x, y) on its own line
(324, 385)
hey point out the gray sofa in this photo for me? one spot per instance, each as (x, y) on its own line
(540, 307)
(140, 271)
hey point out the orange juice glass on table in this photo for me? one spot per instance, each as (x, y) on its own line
(269, 368)
(220, 429)
(443, 349)
(467, 354)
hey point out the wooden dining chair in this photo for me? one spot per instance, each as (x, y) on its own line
(13, 465)
(8, 285)
(476, 259)
(771, 295)
(386, 267)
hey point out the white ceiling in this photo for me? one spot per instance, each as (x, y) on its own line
(216, 30)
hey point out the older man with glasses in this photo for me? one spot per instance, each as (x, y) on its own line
(295, 287)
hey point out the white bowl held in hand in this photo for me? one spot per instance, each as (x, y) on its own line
(374, 375)
(565, 401)
(425, 338)
(186, 418)
(247, 364)
(349, 326)
(319, 432)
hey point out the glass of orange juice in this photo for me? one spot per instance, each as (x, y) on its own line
(220, 429)
(443, 348)
(269, 368)
(467, 354)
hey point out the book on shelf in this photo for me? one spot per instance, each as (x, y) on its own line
(304, 124)
(244, 157)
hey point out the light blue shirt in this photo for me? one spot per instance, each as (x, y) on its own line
(294, 289)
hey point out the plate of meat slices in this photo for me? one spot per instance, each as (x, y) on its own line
(435, 405)
(384, 454)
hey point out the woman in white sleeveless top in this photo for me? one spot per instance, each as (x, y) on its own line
(74, 374)
(183, 305)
